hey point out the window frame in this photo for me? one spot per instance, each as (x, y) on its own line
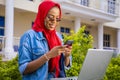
(111, 6)
(84, 2)
(65, 30)
(106, 40)
(2, 25)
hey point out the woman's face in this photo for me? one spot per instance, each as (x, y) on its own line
(52, 19)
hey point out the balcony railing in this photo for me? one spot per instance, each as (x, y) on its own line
(2, 43)
(15, 43)
(104, 7)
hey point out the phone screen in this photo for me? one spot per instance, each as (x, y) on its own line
(69, 42)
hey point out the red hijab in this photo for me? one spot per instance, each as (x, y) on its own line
(50, 35)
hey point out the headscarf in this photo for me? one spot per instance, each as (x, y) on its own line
(50, 35)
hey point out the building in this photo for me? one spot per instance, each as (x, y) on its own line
(101, 18)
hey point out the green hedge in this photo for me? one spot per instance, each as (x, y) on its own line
(82, 42)
(113, 70)
(9, 70)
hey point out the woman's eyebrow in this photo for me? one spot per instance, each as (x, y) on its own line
(53, 15)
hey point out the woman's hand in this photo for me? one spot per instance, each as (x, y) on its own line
(57, 50)
(67, 53)
(68, 50)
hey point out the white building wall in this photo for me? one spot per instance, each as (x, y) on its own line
(94, 4)
(2, 11)
(94, 32)
(23, 22)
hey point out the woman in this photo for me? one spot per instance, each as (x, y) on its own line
(41, 53)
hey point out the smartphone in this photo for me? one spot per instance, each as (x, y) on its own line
(69, 42)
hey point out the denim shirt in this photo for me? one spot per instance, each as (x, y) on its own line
(32, 46)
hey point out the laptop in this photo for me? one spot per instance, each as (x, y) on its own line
(94, 66)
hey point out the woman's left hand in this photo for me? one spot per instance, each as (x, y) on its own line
(68, 50)
(67, 53)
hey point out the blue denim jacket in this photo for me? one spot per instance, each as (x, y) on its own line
(32, 46)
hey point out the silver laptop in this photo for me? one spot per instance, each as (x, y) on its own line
(94, 66)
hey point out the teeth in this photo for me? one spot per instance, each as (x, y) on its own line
(52, 25)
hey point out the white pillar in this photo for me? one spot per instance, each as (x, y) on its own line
(77, 24)
(9, 18)
(118, 40)
(103, 5)
(100, 36)
(77, 1)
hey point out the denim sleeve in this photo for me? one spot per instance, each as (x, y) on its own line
(22, 67)
(24, 56)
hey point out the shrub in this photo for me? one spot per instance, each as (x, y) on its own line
(113, 70)
(82, 42)
(9, 70)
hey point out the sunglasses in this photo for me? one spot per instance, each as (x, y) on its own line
(52, 18)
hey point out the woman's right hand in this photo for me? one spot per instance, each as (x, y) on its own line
(57, 50)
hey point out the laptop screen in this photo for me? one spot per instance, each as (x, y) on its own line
(95, 64)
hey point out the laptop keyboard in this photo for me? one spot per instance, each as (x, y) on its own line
(67, 78)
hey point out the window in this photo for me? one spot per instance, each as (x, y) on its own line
(86, 32)
(32, 24)
(84, 2)
(106, 40)
(111, 6)
(67, 30)
(2, 24)
(64, 30)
